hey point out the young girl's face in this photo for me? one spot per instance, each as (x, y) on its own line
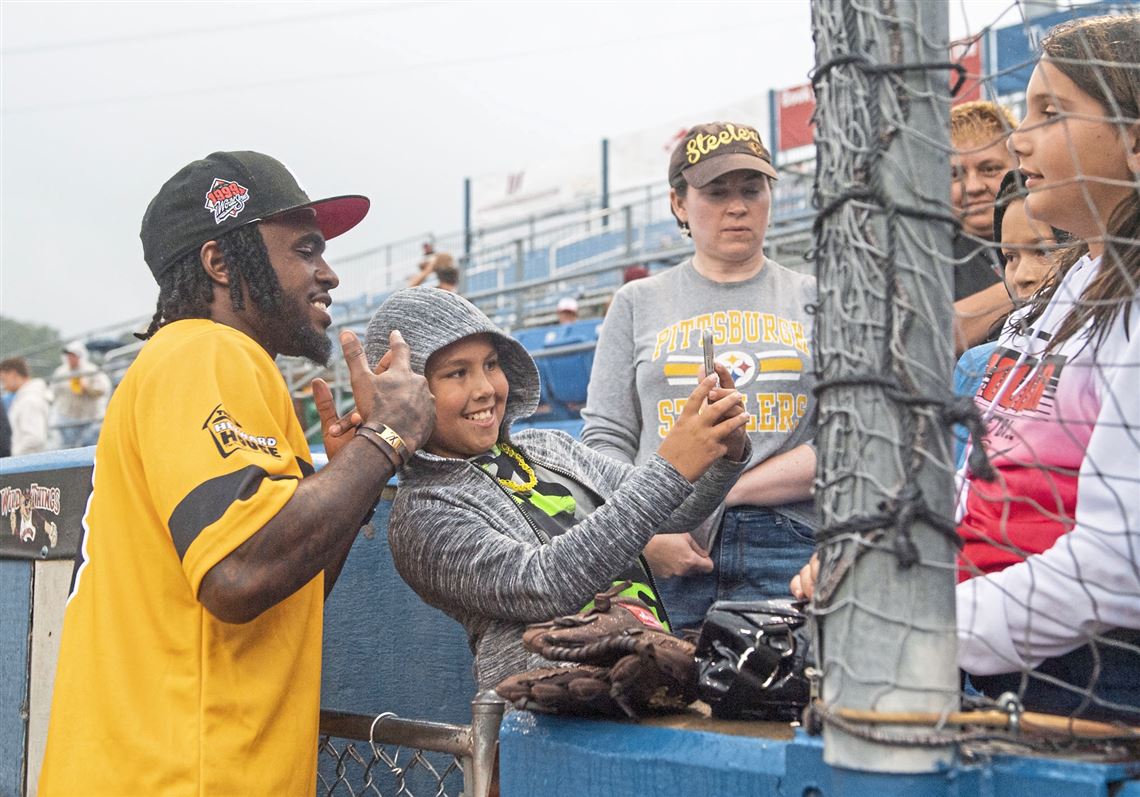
(470, 392)
(1025, 246)
(1074, 159)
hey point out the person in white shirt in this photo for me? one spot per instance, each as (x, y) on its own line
(30, 408)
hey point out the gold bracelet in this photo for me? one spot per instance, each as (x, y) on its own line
(381, 447)
(389, 436)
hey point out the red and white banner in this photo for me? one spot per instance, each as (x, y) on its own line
(793, 108)
(968, 53)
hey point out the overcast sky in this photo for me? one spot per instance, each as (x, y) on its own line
(102, 102)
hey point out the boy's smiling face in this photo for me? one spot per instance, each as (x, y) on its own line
(470, 392)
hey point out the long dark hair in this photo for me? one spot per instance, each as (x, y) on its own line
(1102, 56)
(185, 291)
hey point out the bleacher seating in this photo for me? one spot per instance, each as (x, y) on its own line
(587, 248)
(536, 264)
(564, 374)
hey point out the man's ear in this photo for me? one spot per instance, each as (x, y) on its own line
(214, 263)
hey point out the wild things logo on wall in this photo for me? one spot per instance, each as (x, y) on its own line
(32, 513)
(41, 512)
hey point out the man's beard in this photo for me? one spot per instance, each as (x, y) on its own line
(295, 336)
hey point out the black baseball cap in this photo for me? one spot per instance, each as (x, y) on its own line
(224, 191)
(707, 151)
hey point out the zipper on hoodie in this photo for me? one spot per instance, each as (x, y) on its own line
(543, 537)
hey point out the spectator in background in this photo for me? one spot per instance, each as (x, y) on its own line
(81, 391)
(978, 134)
(446, 272)
(443, 266)
(30, 408)
(631, 273)
(1028, 249)
(648, 360)
(5, 433)
(567, 310)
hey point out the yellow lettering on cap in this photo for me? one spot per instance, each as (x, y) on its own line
(701, 144)
(692, 151)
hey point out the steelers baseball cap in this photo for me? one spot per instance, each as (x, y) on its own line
(707, 151)
(226, 190)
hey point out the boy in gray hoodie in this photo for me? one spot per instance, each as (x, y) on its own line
(499, 531)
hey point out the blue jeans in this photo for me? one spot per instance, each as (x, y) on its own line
(76, 434)
(756, 553)
(1101, 669)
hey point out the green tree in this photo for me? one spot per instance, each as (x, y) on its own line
(38, 343)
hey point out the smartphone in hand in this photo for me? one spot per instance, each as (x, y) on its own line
(707, 347)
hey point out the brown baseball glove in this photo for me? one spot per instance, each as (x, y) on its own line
(627, 663)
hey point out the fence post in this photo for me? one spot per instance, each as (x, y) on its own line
(486, 715)
(885, 598)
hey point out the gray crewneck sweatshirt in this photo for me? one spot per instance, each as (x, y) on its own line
(649, 352)
(463, 544)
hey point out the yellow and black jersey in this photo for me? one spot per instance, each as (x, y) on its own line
(154, 695)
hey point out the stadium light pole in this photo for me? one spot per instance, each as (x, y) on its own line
(466, 224)
(885, 598)
(605, 182)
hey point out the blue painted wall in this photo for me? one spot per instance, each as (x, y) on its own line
(385, 649)
(564, 757)
(15, 642)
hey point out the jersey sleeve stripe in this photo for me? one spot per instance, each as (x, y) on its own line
(207, 502)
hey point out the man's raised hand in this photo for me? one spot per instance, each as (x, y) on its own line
(393, 394)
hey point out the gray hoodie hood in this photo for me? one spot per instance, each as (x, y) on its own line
(430, 319)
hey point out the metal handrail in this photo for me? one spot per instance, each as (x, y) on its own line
(475, 746)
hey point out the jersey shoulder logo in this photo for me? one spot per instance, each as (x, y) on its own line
(226, 199)
(228, 436)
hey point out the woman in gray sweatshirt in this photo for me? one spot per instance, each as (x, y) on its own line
(499, 531)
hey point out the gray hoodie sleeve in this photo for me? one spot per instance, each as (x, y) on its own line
(612, 413)
(708, 491)
(460, 558)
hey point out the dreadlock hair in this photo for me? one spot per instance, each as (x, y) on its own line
(185, 290)
(1101, 55)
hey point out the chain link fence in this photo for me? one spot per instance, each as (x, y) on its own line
(385, 755)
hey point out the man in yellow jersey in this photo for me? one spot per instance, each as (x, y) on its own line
(190, 657)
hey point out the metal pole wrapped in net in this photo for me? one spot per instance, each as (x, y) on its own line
(1030, 555)
(885, 598)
